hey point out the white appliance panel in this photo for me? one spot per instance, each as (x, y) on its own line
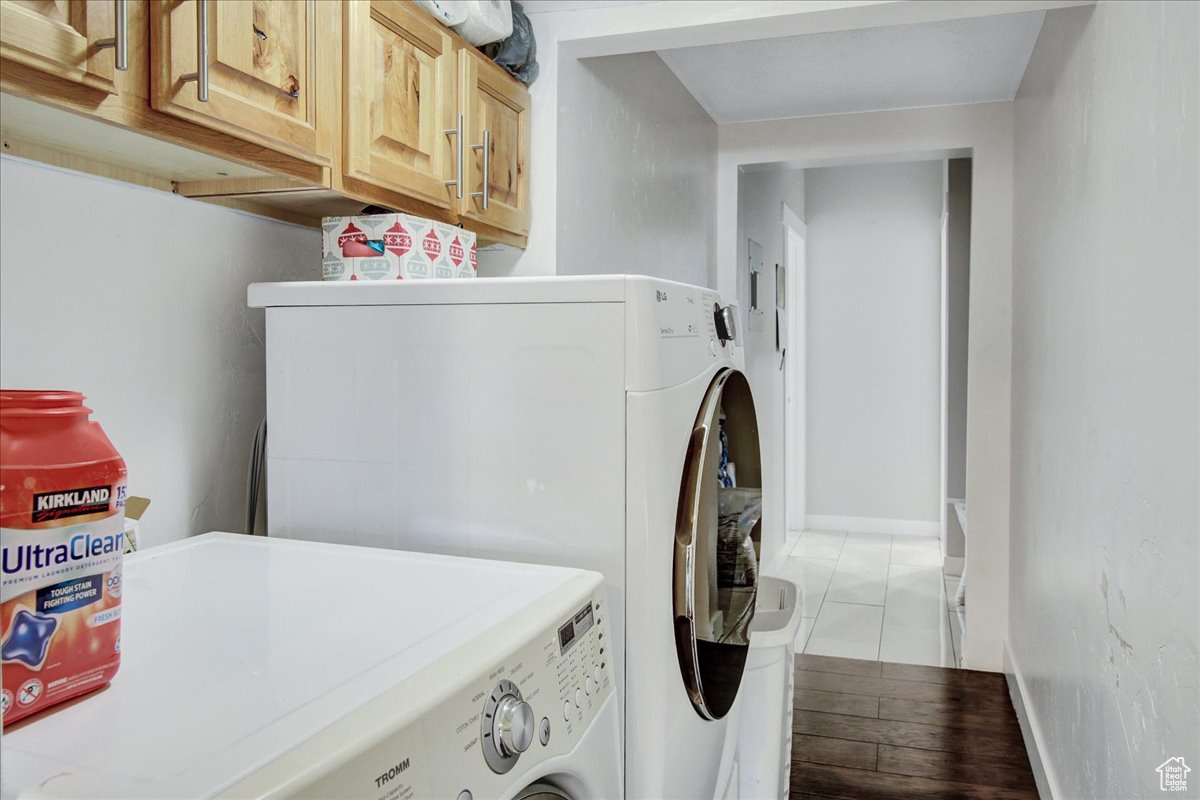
(490, 430)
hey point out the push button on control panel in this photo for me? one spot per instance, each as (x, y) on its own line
(544, 732)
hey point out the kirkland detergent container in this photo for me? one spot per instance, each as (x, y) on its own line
(62, 500)
(765, 738)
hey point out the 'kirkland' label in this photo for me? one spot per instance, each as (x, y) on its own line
(72, 503)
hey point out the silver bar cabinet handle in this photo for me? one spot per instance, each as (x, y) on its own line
(486, 147)
(457, 183)
(120, 38)
(200, 76)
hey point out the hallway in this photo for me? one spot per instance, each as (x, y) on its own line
(874, 597)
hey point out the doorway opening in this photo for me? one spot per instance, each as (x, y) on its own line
(869, 263)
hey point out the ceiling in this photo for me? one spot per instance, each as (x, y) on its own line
(972, 60)
(550, 6)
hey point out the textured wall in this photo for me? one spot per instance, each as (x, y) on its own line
(1105, 612)
(874, 341)
(761, 196)
(138, 299)
(637, 160)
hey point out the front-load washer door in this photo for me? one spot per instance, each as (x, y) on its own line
(542, 791)
(716, 545)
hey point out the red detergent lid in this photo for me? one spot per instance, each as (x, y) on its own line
(41, 402)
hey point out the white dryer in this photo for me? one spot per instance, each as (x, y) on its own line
(571, 421)
(266, 668)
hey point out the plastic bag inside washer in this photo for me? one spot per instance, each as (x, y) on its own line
(739, 513)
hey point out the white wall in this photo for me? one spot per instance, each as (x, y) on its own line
(637, 159)
(591, 30)
(1105, 615)
(761, 196)
(874, 342)
(984, 131)
(138, 299)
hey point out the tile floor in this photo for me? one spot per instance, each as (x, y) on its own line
(874, 597)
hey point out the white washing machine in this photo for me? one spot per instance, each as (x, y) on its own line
(255, 668)
(570, 421)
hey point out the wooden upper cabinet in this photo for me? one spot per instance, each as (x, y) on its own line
(496, 110)
(253, 76)
(64, 38)
(400, 98)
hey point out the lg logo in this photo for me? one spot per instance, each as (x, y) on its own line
(660, 295)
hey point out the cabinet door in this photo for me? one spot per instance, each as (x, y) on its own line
(243, 67)
(62, 38)
(400, 100)
(496, 108)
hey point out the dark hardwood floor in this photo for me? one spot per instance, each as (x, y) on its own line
(865, 730)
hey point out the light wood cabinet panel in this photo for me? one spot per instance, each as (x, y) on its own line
(400, 97)
(314, 107)
(497, 105)
(262, 67)
(62, 38)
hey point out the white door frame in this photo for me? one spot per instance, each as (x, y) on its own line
(944, 449)
(795, 237)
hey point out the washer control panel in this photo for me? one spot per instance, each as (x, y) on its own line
(470, 724)
(532, 704)
(584, 653)
(680, 331)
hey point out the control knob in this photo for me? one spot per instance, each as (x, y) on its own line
(725, 322)
(507, 726)
(513, 726)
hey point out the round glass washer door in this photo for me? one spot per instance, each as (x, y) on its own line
(542, 791)
(715, 578)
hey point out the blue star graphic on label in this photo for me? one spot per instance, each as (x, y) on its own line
(29, 639)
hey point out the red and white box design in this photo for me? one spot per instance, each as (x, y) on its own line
(394, 247)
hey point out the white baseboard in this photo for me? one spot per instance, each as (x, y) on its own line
(952, 565)
(1031, 731)
(898, 527)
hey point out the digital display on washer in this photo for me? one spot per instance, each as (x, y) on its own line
(575, 627)
(583, 620)
(566, 636)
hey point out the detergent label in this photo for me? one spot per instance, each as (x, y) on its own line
(60, 602)
(49, 506)
(35, 558)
